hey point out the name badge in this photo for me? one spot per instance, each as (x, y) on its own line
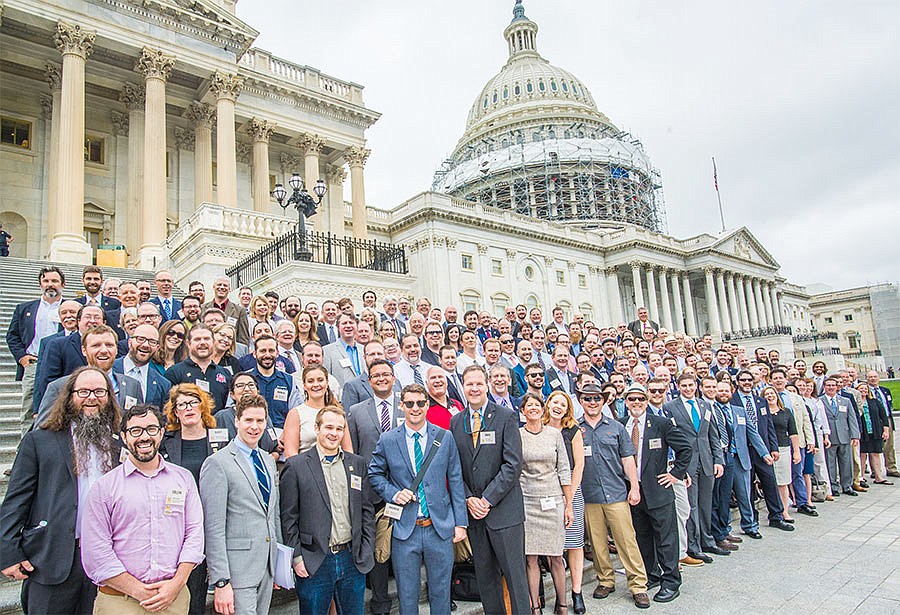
(272, 434)
(548, 503)
(763, 411)
(741, 420)
(842, 409)
(123, 455)
(392, 511)
(588, 452)
(356, 482)
(218, 435)
(400, 421)
(346, 363)
(181, 314)
(655, 443)
(231, 320)
(488, 437)
(203, 384)
(707, 415)
(175, 497)
(281, 394)
(555, 382)
(130, 402)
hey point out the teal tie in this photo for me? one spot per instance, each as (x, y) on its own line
(695, 415)
(417, 452)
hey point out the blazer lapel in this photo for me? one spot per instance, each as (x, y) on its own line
(487, 421)
(315, 471)
(64, 440)
(400, 443)
(254, 486)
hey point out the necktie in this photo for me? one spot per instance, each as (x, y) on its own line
(262, 477)
(476, 427)
(135, 372)
(724, 426)
(354, 358)
(417, 453)
(331, 336)
(751, 411)
(385, 417)
(636, 435)
(504, 403)
(417, 376)
(167, 307)
(540, 360)
(834, 407)
(695, 415)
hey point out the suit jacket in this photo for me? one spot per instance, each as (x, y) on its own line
(60, 356)
(552, 380)
(37, 517)
(398, 321)
(306, 510)
(802, 420)
(663, 435)
(336, 361)
(170, 449)
(764, 424)
(240, 321)
(129, 393)
(705, 441)
(843, 424)
(157, 386)
(429, 356)
(359, 389)
(495, 477)
(745, 435)
(364, 425)
(391, 471)
(109, 304)
(889, 406)
(635, 327)
(20, 333)
(225, 420)
(515, 401)
(488, 333)
(241, 530)
(176, 307)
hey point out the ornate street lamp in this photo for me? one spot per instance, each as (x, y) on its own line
(305, 205)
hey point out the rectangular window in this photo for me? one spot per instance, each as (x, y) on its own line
(15, 132)
(853, 342)
(560, 276)
(496, 266)
(466, 262)
(94, 149)
(582, 280)
(829, 320)
(848, 317)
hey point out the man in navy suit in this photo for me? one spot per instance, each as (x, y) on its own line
(92, 280)
(433, 516)
(141, 346)
(168, 305)
(723, 363)
(883, 394)
(559, 378)
(485, 330)
(499, 393)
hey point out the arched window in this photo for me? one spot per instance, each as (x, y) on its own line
(588, 310)
(529, 88)
(495, 97)
(531, 301)
(470, 299)
(541, 85)
(553, 85)
(505, 92)
(517, 90)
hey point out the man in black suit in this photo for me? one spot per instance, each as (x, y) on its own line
(434, 339)
(40, 521)
(643, 321)
(327, 329)
(490, 450)
(327, 518)
(695, 419)
(654, 518)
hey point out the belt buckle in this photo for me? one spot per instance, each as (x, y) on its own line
(335, 549)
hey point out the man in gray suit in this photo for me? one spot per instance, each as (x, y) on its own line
(343, 359)
(360, 389)
(239, 492)
(844, 434)
(694, 417)
(98, 345)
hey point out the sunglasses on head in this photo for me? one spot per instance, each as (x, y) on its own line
(421, 403)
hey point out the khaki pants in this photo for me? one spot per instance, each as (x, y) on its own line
(890, 456)
(857, 466)
(618, 517)
(126, 605)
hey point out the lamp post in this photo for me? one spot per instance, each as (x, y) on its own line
(305, 205)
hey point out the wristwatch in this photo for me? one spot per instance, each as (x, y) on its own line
(222, 583)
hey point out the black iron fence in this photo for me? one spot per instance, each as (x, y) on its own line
(815, 337)
(745, 334)
(322, 248)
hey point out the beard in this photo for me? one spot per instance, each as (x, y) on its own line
(92, 432)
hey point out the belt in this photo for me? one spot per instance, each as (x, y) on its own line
(109, 591)
(335, 549)
(423, 521)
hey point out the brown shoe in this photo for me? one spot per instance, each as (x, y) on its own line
(733, 538)
(728, 546)
(641, 601)
(690, 561)
(859, 488)
(829, 498)
(602, 591)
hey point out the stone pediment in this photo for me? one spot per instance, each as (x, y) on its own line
(205, 15)
(742, 244)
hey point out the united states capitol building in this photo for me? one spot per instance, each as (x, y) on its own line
(157, 126)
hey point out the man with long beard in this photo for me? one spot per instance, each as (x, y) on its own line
(39, 535)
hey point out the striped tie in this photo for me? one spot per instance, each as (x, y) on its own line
(417, 376)
(262, 477)
(385, 417)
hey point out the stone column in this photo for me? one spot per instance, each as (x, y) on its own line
(757, 299)
(54, 78)
(356, 157)
(156, 67)
(312, 145)
(201, 117)
(751, 302)
(652, 306)
(67, 243)
(335, 175)
(742, 301)
(690, 314)
(260, 131)
(780, 306)
(132, 96)
(613, 297)
(666, 314)
(597, 283)
(767, 303)
(226, 88)
(678, 314)
(638, 287)
(712, 307)
(732, 303)
(724, 318)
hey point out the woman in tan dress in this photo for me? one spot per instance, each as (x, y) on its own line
(546, 486)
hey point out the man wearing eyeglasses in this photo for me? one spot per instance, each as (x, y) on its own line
(121, 528)
(433, 516)
(141, 346)
(41, 518)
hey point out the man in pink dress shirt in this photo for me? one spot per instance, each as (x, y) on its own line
(143, 527)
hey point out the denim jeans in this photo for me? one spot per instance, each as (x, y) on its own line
(336, 579)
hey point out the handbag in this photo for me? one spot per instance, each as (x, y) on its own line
(384, 526)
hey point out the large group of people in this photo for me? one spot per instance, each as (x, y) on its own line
(188, 445)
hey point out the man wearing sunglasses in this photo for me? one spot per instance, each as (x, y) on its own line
(434, 339)
(120, 528)
(433, 516)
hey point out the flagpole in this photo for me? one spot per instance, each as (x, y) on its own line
(718, 195)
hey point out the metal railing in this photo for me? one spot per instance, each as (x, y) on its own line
(323, 248)
(811, 337)
(745, 334)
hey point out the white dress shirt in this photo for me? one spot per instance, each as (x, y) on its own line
(138, 373)
(46, 322)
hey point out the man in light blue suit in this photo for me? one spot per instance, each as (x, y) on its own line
(432, 516)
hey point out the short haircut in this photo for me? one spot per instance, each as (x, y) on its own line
(378, 362)
(92, 269)
(98, 330)
(84, 307)
(831, 379)
(195, 283)
(490, 340)
(250, 400)
(472, 369)
(198, 327)
(344, 316)
(189, 298)
(141, 410)
(51, 269)
(413, 388)
(271, 294)
(329, 408)
(234, 378)
(265, 338)
(212, 310)
(778, 370)
(686, 376)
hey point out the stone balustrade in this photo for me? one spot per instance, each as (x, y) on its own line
(262, 61)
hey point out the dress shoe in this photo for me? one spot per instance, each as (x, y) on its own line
(453, 605)
(733, 538)
(781, 525)
(691, 561)
(864, 484)
(652, 584)
(893, 473)
(807, 510)
(728, 546)
(716, 550)
(859, 488)
(754, 535)
(851, 492)
(578, 603)
(701, 556)
(641, 601)
(666, 595)
(602, 591)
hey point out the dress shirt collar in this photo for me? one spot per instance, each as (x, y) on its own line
(129, 468)
(422, 431)
(322, 455)
(243, 447)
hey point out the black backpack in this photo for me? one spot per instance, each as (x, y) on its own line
(463, 585)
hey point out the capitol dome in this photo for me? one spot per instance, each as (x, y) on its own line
(535, 142)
